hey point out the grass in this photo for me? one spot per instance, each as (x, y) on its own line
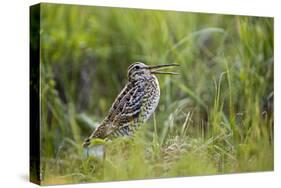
(215, 118)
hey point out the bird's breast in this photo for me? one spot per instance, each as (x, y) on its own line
(151, 98)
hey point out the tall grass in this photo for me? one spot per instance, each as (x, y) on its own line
(216, 117)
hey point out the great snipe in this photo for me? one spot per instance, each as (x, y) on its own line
(134, 105)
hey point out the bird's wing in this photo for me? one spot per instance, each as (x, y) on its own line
(126, 110)
(115, 108)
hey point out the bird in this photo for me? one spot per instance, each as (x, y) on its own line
(135, 103)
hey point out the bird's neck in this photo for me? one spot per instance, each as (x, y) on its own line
(144, 79)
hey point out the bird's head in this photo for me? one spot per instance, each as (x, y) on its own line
(138, 70)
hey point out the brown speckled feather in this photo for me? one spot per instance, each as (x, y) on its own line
(134, 105)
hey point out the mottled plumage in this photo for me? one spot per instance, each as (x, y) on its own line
(134, 105)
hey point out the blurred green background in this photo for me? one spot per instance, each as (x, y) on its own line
(216, 117)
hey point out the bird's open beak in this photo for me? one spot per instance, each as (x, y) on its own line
(156, 69)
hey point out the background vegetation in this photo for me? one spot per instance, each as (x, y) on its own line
(216, 117)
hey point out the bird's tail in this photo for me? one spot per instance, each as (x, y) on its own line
(87, 142)
(100, 132)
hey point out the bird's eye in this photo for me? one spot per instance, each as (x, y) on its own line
(137, 67)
